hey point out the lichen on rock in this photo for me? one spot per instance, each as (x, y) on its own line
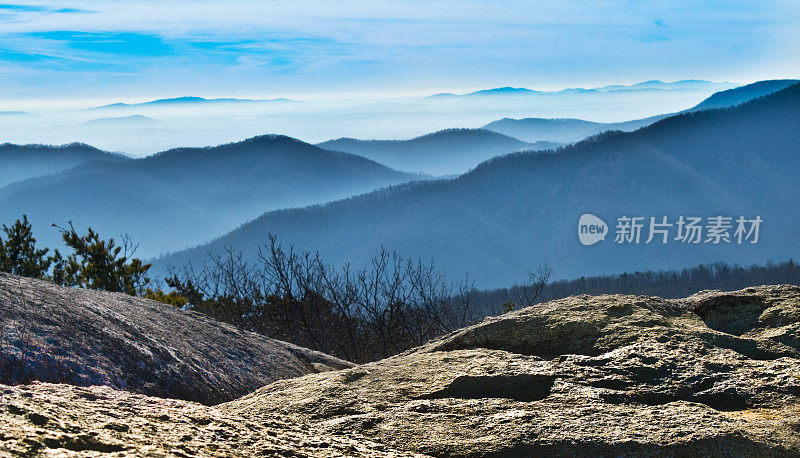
(712, 374)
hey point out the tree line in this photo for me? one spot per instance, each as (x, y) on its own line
(391, 305)
(666, 283)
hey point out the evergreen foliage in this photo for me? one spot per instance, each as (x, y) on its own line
(18, 252)
(103, 264)
(94, 263)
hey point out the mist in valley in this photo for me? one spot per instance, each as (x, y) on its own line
(142, 129)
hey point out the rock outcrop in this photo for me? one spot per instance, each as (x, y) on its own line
(63, 420)
(80, 337)
(713, 374)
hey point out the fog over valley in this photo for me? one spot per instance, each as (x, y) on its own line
(141, 129)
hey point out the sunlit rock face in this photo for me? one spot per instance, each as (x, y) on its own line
(715, 373)
(64, 420)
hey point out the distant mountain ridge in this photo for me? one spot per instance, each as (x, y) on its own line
(571, 130)
(187, 100)
(22, 162)
(185, 196)
(447, 152)
(742, 94)
(513, 212)
(646, 85)
(505, 90)
(124, 121)
(657, 84)
(562, 130)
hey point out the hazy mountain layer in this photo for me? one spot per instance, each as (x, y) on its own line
(197, 121)
(516, 211)
(20, 162)
(736, 96)
(185, 101)
(563, 130)
(124, 122)
(448, 152)
(571, 130)
(185, 196)
(685, 85)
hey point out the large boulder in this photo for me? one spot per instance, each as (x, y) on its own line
(713, 374)
(82, 337)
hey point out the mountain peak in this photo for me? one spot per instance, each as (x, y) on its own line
(73, 145)
(742, 94)
(123, 121)
(188, 100)
(504, 90)
(184, 99)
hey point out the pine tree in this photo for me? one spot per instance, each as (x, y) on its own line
(18, 253)
(101, 264)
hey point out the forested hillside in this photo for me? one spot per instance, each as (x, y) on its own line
(20, 162)
(447, 152)
(516, 211)
(186, 196)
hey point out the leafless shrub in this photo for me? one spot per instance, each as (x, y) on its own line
(531, 290)
(525, 294)
(392, 305)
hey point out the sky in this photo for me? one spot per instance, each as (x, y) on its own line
(125, 50)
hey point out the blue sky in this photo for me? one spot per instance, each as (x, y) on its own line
(135, 50)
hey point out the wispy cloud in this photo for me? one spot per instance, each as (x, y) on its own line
(300, 45)
(72, 11)
(116, 43)
(6, 6)
(40, 9)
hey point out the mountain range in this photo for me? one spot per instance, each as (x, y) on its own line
(513, 212)
(455, 151)
(739, 95)
(568, 130)
(185, 101)
(447, 152)
(502, 91)
(126, 122)
(564, 130)
(643, 86)
(20, 162)
(185, 196)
